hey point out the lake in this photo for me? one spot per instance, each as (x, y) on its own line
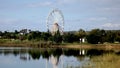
(19, 57)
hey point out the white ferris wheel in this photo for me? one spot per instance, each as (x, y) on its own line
(55, 21)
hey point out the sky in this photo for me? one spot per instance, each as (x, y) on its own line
(78, 14)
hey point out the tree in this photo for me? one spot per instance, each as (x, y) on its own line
(70, 37)
(45, 36)
(102, 35)
(1, 34)
(93, 36)
(81, 33)
(117, 36)
(97, 36)
(16, 32)
(110, 36)
(34, 35)
(57, 38)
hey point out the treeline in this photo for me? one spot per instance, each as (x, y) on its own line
(101, 36)
(95, 36)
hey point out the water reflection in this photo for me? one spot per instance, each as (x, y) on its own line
(58, 58)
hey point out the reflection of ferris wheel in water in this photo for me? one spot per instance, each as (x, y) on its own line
(55, 21)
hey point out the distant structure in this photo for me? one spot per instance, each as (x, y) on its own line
(82, 40)
(55, 28)
(23, 31)
(55, 22)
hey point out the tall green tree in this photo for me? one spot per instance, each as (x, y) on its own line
(70, 37)
(102, 35)
(57, 38)
(34, 35)
(81, 33)
(117, 36)
(94, 36)
(45, 36)
(111, 36)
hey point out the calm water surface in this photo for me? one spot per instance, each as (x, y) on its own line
(17, 57)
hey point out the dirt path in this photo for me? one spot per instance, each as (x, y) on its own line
(97, 46)
(84, 46)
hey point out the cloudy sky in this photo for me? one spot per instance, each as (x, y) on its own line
(85, 14)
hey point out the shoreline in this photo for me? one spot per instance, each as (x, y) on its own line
(76, 46)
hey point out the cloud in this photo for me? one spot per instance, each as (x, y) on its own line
(40, 4)
(7, 21)
(109, 10)
(111, 25)
(73, 20)
(66, 1)
(51, 3)
(97, 18)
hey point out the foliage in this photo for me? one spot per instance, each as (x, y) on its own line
(57, 38)
(94, 36)
(110, 36)
(81, 33)
(117, 36)
(70, 38)
(34, 35)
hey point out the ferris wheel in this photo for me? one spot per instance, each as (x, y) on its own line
(55, 21)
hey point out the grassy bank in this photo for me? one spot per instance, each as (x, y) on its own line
(24, 43)
(49, 44)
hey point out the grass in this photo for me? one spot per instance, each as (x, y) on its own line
(24, 43)
(106, 61)
(110, 60)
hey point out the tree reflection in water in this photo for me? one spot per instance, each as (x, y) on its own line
(58, 56)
